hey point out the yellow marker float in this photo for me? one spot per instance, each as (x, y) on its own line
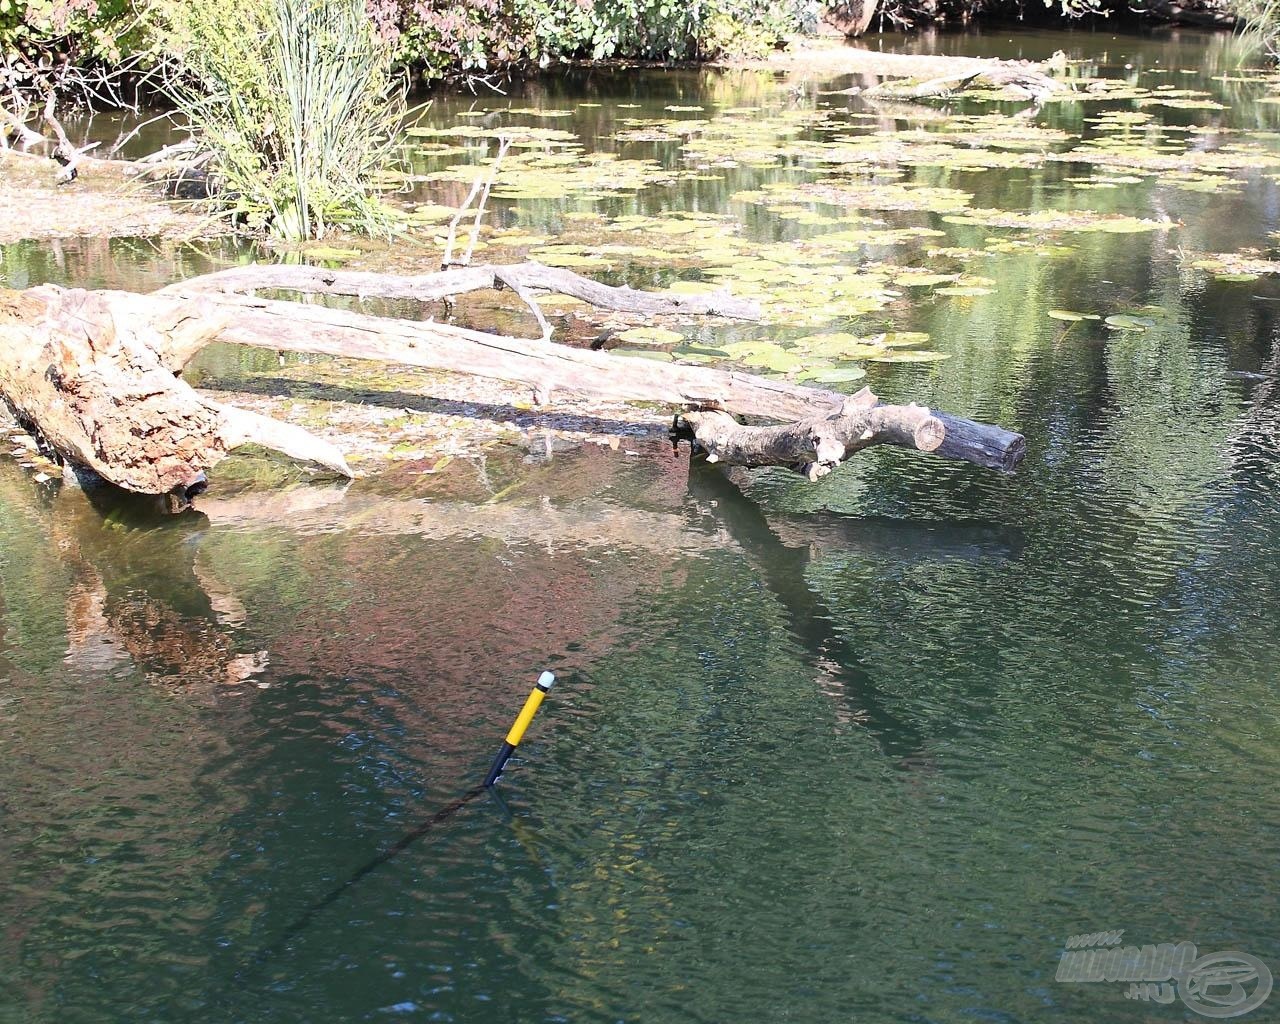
(518, 727)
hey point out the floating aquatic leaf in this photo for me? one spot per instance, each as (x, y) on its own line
(331, 254)
(903, 339)
(839, 346)
(556, 299)
(1128, 322)
(432, 213)
(643, 353)
(1058, 220)
(910, 356)
(1224, 264)
(922, 279)
(569, 260)
(700, 351)
(651, 336)
(693, 287)
(891, 195)
(517, 239)
(534, 111)
(964, 291)
(780, 361)
(1181, 104)
(835, 374)
(1072, 317)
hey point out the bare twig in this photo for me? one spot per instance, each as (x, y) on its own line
(447, 261)
(503, 145)
(126, 137)
(480, 188)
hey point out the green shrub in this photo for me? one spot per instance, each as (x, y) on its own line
(436, 36)
(297, 103)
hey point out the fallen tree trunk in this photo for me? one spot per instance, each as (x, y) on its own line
(96, 374)
(85, 375)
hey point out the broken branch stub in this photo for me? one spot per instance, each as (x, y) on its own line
(816, 446)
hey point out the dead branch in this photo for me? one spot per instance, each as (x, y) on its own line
(9, 122)
(815, 446)
(448, 283)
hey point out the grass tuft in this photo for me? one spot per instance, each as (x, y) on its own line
(296, 102)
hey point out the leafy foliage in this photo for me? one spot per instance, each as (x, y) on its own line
(41, 39)
(474, 35)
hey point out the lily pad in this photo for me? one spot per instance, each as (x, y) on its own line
(643, 353)
(650, 336)
(922, 279)
(911, 356)
(776, 359)
(836, 374)
(1072, 317)
(1128, 322)
(903, 339)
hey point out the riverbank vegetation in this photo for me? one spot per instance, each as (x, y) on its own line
(293, 104)
(481, 40)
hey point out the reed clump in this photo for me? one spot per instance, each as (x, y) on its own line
(296, 104)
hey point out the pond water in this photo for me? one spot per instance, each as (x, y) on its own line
(870, 749)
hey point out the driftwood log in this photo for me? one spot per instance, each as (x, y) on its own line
(97, 374)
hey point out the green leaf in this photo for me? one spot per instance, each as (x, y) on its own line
(650, 336)
(1128, 322)
(1071, 317)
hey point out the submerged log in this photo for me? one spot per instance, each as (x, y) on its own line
(97, 374)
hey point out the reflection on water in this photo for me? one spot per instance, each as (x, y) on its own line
(866, 750)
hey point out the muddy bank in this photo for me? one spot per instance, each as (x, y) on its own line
(102, 201)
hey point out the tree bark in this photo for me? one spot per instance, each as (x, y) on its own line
(852, 17)
(817, 445)
(96, 374)
(86, 376)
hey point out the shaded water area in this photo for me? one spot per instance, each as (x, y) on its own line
(870, 749)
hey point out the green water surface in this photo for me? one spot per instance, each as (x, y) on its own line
(866, 750)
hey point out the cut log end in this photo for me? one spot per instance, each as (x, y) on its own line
(814, 447)
(929, 435)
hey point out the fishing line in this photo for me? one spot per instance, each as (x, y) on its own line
(513, 738)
